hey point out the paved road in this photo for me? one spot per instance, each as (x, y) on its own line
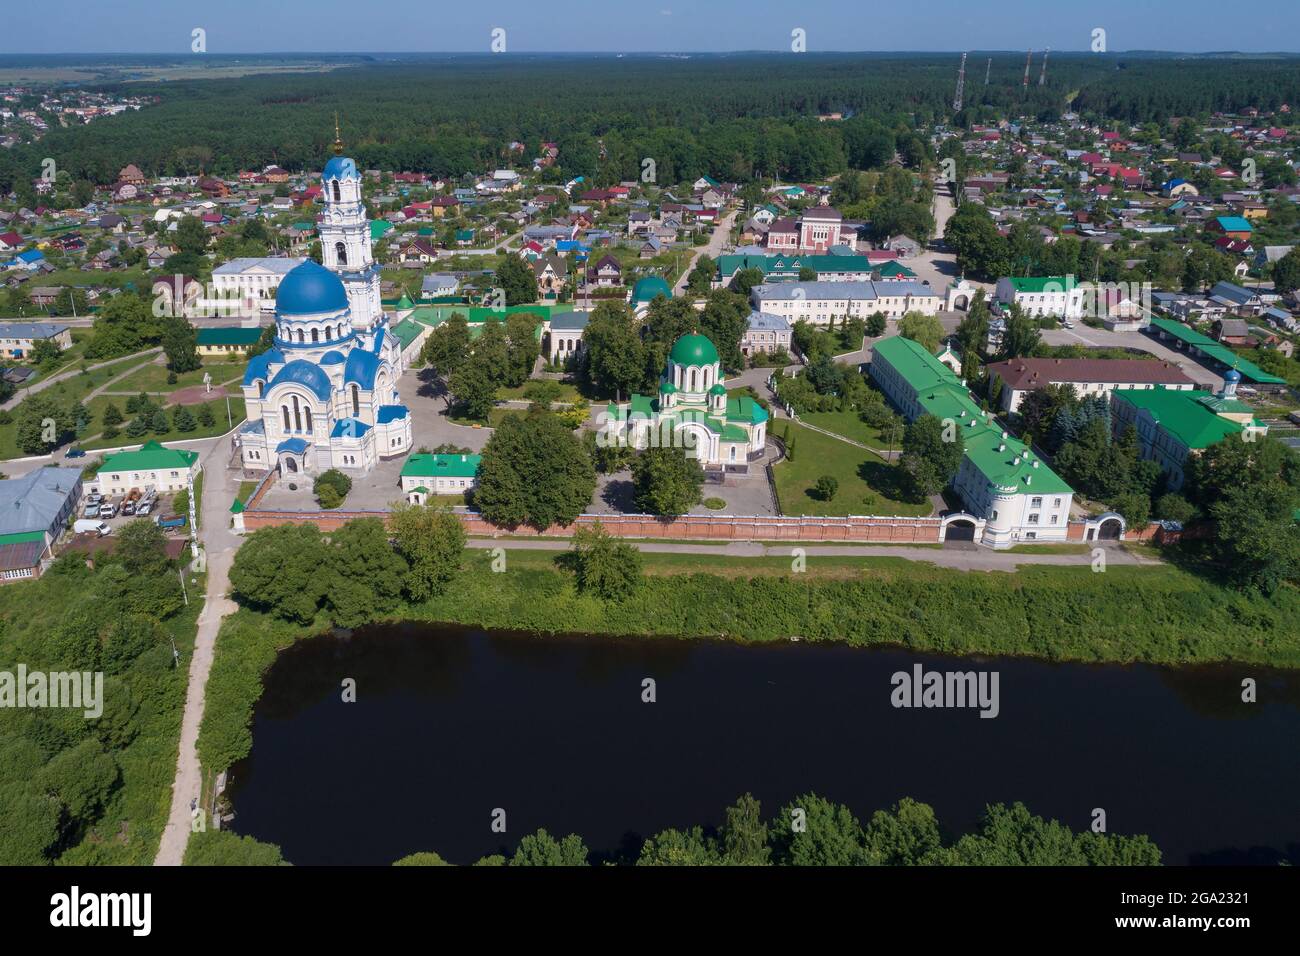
(220, 545)
(717, 242)
(962, 559)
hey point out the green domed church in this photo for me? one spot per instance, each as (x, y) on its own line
(692, 410)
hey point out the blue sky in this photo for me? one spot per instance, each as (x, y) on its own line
(255, 26)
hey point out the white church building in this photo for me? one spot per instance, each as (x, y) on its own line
(325, 395)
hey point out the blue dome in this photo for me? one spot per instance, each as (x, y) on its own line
(340, 167)
(332, 357)
(361, 367)
(310, 289)
(302, 373)
(1232, 376)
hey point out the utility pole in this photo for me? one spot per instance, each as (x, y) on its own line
(961, 85)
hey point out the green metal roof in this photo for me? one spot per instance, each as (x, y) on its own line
(1183, 414)
(693, 349)
(1000, 457)
(150, 457)
(228, 335)
(1042, 284)
(406, 331)
(1220, 353)
(441, 466)
(21, 537)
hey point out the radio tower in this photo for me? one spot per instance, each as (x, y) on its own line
(1042, 74)
(988, 68)
(961, 85)
(1028, 56)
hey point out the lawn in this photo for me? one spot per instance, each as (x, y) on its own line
(867, 485)
(849, 425)
(153, 378)
(568, 393)
(219, 427)
(74, 388)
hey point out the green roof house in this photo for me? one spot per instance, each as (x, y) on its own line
(1009, 492)
(152, 466)
(425, 475)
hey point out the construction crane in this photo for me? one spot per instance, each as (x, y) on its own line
(1042, 74)
(988, 68)
(1028, 56)
(961, 85)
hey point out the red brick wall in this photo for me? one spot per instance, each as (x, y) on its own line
(703, 527)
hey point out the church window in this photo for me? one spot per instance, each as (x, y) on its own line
(307, 414)
(337, 196)
(341, 252)
(329, 333)
(297, 415)
(285, 410)
(315, 336)
(356, 402)
(300, 335)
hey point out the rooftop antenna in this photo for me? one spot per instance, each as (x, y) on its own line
(1042, 74)
(1028, 56)
(988, 68)
(961, 85)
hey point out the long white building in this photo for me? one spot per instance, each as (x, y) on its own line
(817, 302)
(255, 279)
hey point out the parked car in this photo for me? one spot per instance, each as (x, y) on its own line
(75, 453)
(94, 498)
(108, 510)
(88, 526)
(144, 509)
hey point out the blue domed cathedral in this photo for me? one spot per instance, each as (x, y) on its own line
(325, 395)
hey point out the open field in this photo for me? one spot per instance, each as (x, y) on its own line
(867, 485)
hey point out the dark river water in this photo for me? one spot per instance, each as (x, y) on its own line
(449, 725)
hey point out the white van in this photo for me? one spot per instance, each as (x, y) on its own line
(91, 526)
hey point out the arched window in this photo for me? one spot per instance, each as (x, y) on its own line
(337, 196)
(356, 402)
(261, 388)
(307, 414)
(315, 336)
(297, 415)
(329, 333)
(341, 252)
(690, 379)
(284, 409)
(300, 335)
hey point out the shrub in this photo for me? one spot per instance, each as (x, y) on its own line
(331, 487)
(826, 487)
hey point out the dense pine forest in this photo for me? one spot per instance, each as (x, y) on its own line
(735, 117)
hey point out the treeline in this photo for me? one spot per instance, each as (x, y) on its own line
(733, 117)
(95, 791)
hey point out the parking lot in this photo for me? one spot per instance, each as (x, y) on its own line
(116, 511)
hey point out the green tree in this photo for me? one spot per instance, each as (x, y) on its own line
(475, 387)
(604, 565)
(432, 540)
(542, 849)
(932, 451)
(667, 481)
(366, 572)
(331, 487)
(614, 362)
(827, 487)
(515, 277)
(180, 343)
(183, 419)
(534, 471)
(142, 547)
(825, 834)
(278, 570)
(924, 329)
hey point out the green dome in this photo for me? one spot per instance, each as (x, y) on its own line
(650, 288)
(693, 349)
(667, 388)
(718, 389)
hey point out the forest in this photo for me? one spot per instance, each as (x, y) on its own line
(734, 117)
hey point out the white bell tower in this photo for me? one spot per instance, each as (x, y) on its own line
(345, 239)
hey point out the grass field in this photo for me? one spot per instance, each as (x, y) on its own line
(849, 425)
(219, 427)
(153, 378)
(867, 485)
(75, 388)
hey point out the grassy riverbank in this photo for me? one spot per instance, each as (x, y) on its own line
(1162, 615)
